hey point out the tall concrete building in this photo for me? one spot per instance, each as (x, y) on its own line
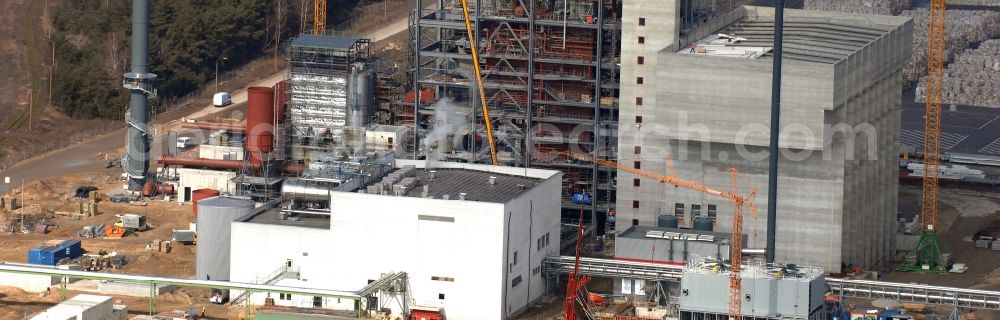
(696, 102)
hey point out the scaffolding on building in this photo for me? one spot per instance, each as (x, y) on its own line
(550, 73)
(319, 71)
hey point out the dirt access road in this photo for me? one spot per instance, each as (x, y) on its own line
(79, 157)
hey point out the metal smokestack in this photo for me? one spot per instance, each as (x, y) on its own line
(140, 83)
(772, 172)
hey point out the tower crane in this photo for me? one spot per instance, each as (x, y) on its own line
(927, 255)
(319, 16)
(736, 247)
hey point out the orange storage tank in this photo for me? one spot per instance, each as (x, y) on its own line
(260, 126)
(199, 195)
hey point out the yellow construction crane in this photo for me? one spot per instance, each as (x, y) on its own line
(319, 16)
(736, 246)
(479, 82)
(927, 255)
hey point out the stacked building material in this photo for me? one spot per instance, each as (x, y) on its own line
(963, 28)
(973, 78)
(886, 7)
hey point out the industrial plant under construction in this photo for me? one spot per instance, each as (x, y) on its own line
(560, 159)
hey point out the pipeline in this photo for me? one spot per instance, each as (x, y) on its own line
(152, 188)
(288, 167)
(215, 126)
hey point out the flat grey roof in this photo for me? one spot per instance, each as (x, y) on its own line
(812, 39)
(270, 217)
(475, 184)
(325, 42)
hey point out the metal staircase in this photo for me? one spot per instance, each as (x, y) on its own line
(282, 273)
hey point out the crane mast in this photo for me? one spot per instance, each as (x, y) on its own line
(319, 16)
(736, 253)
(927, 255)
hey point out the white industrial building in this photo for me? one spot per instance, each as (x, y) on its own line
(193, 179)
(84, 307)
(470, 237)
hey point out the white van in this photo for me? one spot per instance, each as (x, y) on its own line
(184, 143)
(221, 99)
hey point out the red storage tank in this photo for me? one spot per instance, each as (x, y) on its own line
(201, 194)
(260, 129)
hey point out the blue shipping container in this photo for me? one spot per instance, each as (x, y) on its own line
(48, 254)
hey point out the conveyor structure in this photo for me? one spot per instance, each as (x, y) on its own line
(903, 292)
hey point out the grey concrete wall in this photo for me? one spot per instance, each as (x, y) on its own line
(660, 250)
(837, 203)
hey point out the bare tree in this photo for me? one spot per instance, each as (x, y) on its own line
(280, 12)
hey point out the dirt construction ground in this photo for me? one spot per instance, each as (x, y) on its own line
(48, 198)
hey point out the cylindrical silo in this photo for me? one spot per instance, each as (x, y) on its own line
(360, 96)
(260, 129)
(215, 217)
(666, 221)
(703, 224)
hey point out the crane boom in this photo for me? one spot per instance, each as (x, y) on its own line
(736, 253)
(479, 82)
(319, 17)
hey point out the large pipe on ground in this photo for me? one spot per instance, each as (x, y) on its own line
(772, 173)
(260, 128)
(139, 83)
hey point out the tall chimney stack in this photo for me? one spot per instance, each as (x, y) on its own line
(140, 83)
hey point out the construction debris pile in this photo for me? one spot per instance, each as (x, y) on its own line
(30, 219)
(98, 262)
(973, 78)
(964, 27)
(884, 7)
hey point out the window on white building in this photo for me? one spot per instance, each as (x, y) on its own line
(515, 258)
(515, 281)
(536, 271)
(632, 286)
(317, 302)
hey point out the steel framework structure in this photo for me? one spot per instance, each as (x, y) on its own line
(905, 292)
(319, 68)
(549, 71)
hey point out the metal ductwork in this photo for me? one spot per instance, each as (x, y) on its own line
(300, 190)
(140, 83)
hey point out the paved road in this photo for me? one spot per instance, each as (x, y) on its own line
(77, 158)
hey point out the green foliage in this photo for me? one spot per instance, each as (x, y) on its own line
(187, 38)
